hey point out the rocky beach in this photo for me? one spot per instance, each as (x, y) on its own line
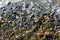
(30, 20)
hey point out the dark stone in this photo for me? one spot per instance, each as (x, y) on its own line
(21, 38)
(4, 9)
(11, 8)
(18, 8)
(32, 16)
(58, 18)
(27, 5)
(49, 37)
(9, 3)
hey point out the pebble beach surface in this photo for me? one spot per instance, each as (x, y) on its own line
(34, 20)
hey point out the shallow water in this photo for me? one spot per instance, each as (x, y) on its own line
(5, 2)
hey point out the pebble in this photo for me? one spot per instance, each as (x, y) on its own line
(16, 12)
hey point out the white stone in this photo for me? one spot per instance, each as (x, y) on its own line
(17, 17)
(0, 18)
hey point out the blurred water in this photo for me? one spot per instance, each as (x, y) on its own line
(5, 2)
